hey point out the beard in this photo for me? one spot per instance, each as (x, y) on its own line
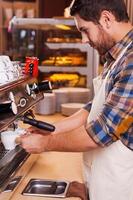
(104, 42)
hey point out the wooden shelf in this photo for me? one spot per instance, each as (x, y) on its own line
(24, 5)
(8, 9)
(5, 4)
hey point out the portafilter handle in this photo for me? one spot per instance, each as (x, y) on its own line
(38, 124)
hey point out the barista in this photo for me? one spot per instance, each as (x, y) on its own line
(107, 157)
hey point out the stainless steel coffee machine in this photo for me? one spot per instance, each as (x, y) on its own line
(17, 98)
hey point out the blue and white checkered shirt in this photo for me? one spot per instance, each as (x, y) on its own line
(119, 97)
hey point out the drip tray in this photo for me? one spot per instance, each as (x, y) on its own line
(12, 184)
(46, 188)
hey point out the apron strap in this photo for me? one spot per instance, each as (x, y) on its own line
(123, 127)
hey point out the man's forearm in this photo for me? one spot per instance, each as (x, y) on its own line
(75, 141)
(71, 123)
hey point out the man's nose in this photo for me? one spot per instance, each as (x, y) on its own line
(85, 38)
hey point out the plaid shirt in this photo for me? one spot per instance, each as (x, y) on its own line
(119, 97)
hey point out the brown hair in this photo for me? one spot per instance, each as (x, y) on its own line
(90, 10)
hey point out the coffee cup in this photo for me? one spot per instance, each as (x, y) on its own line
(20, 131)
(8, 139)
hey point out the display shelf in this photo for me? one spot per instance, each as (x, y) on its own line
(60, 50)
(81, 69)
(82, 47)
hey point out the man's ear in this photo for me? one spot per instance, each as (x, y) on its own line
(106, 19)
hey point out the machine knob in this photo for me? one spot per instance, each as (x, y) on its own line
(28, 90)
(11, 97)
(14, 108)
(22, 102)
(13, 103)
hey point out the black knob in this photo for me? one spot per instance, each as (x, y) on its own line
(31, 66)
(43, 86)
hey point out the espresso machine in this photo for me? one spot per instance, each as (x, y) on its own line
(17, 98)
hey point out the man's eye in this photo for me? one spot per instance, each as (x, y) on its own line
(85, 31)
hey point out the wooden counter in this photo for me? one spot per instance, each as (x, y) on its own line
(52, 165)
(56, 166)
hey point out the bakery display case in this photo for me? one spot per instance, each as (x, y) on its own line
(63, 58)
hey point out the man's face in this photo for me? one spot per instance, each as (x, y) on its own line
(95, 35)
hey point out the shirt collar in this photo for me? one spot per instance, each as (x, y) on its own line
(118, 47)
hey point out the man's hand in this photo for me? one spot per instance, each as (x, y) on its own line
(34, 130)
(77, 189)
(34, 142)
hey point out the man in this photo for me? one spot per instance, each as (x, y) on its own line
(108, 156)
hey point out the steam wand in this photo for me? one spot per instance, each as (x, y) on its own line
(29, 118)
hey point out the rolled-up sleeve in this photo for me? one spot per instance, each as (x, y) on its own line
(88, 106)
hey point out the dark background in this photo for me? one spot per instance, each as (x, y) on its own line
(51, 8)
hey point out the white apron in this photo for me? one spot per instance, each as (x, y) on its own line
(108, 171)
